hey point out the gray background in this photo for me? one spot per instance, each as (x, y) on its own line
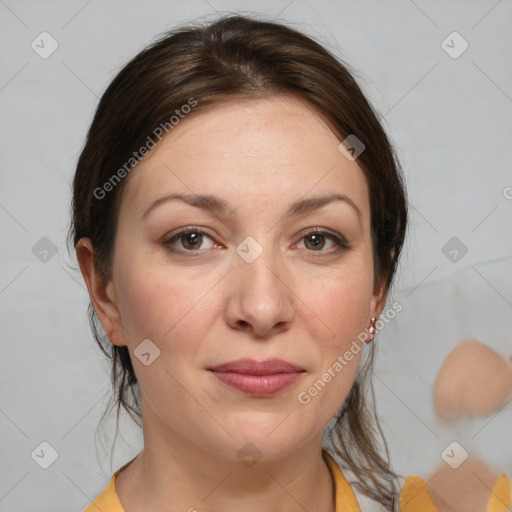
(450, 119)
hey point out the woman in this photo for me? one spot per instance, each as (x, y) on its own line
(238, 215)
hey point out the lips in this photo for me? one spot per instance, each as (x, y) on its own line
(252, 367)
(258, 378)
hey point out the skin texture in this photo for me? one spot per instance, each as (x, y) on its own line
(295, 301)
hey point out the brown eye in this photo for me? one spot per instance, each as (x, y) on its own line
(191, 240)
(188, 240)
(315, 241)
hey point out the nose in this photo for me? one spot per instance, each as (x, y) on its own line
(260, 301)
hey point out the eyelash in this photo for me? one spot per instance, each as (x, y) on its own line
(342, 244)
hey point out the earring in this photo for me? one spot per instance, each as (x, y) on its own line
(372, 329)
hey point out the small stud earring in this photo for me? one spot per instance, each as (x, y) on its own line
(372, 329)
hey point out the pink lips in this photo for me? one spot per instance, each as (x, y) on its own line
(256, 378)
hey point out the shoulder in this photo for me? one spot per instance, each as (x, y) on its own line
(414, 495)
(107, 500)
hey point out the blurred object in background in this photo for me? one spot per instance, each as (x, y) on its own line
(474, 380)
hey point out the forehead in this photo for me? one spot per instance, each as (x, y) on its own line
(258, 151)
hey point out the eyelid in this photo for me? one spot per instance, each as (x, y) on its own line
(168, 239)
(187, 229)
(323, 231)
(341, 242)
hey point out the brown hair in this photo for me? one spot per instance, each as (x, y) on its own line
(238, 57)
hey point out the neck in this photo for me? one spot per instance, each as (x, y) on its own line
(171, 474)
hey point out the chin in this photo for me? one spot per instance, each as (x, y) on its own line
(264, 435)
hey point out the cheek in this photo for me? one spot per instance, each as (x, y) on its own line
(342, 308)
(147, 308)
(158, 304)
(175, 314)
(341, 301)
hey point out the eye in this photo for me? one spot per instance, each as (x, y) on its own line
(190, 238)
(315, 240)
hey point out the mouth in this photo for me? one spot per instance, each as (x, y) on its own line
(258, 378)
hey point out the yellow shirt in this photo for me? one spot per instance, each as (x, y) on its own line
(414, 497)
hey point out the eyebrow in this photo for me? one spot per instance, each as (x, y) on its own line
(219, 206)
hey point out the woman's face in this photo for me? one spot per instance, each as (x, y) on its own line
(244, 276)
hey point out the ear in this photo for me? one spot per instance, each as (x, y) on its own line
(378, 300)
(102, 293)
(380, 292)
